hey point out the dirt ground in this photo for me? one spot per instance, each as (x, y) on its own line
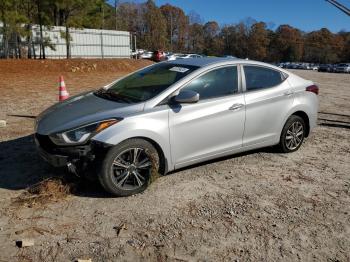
(259, 205)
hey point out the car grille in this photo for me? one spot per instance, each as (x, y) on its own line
(45, 142)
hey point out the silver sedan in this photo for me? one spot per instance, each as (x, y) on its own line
(174, 114)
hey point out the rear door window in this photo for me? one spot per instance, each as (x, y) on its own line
(258, 77)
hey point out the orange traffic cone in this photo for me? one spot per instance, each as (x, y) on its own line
(63, 93)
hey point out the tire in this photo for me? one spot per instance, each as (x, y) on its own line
(121, 174)
(290, 141)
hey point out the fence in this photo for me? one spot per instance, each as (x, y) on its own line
(85, 43)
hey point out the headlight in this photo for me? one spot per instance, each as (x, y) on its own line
(81, 134)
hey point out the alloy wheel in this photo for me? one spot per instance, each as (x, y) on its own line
(131, 169)
(295, 135)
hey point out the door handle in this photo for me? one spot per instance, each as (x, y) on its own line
(235, 107)
(288, 93)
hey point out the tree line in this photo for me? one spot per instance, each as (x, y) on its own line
(168, 27)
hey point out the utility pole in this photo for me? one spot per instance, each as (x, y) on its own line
(103, 17)
(135, 46)
(171, 31)
(102, 26)
(339, 6)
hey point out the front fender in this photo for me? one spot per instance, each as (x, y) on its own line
(152, 126)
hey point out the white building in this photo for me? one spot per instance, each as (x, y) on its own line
(85, 43)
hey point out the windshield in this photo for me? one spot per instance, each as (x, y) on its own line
(147, 83)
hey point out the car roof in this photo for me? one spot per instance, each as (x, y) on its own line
(212, 61)
(205, 61)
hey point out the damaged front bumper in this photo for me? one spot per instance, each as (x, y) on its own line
(73, 157)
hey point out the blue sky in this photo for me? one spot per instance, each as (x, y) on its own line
(306, 15)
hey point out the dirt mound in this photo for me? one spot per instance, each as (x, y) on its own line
(47, 191)
(71, 65)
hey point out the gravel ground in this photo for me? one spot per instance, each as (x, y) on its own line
(259, 205)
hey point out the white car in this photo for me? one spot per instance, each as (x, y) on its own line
(147, 55)
(186, 56)
(171, 57)
(343, 68)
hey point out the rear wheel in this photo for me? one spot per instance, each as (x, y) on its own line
(292, 135)
(129, 167)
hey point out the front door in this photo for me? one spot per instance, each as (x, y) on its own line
(212, 126)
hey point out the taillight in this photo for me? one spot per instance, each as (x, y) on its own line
(313, 89)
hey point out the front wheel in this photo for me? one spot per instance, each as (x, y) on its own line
(292, 135)
(129, 167)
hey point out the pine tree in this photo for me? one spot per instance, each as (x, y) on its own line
(12, 29)
(75, 14)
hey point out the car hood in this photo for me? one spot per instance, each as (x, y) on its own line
(80, 110)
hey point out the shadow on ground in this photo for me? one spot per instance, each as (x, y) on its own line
(22, 167)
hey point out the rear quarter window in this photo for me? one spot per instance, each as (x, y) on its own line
(258, 77)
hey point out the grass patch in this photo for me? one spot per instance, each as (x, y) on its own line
(45, 192)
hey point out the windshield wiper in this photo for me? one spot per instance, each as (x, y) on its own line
(112, 96)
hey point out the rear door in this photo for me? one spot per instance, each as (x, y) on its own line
(268, 98)
(214, 124)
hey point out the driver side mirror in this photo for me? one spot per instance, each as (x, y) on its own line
(186, 97)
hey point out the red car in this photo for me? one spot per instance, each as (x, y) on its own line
(158, 56)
